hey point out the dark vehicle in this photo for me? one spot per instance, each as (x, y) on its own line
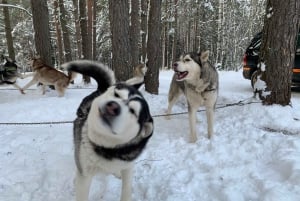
(250, 61)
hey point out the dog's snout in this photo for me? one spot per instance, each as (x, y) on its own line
(112, 108)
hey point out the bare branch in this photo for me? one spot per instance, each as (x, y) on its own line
(18, 7)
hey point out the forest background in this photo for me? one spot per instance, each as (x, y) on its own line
(225, 27)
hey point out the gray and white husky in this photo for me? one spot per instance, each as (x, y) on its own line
(197, 79)
(112, 128)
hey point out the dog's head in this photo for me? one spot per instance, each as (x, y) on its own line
(118, 116)
(139, 74)
(10, 68)
(140, 70)
(189, 65)
(36, 62)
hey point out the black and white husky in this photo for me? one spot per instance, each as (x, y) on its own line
(112, 128)
(9, 74)
(198, 80)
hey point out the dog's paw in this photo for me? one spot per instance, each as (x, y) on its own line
(193, 140)
(22, 91)
(168, 117)
(117, 175)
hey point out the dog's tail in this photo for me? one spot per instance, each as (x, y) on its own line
(101, 73)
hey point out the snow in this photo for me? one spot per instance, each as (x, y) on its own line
(254, 154)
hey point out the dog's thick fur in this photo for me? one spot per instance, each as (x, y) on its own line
(197, 79)
(9, 73)
(112, 128)
(48, 75)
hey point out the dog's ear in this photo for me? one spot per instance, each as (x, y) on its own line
(35, 57)
(204, 56)
(8, 60)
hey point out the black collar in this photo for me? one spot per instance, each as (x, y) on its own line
(125, 152)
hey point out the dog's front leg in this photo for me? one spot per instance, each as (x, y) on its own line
(29, 84)
(82, 186)
(192, 121)
(210, 121)
(20, 89)
(126, 184)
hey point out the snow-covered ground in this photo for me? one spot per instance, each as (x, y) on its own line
(253, 156)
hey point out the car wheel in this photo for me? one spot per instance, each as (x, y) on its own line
(254, 78)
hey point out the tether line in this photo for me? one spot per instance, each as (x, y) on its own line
(240, 103)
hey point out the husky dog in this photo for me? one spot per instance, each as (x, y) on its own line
(139, 74)
(197, 79)
(48, 75)
(112, 128)
(9, 73)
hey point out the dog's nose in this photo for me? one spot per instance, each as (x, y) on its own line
(112, 108)
(175, 65)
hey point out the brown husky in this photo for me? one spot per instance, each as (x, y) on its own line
(139, 73)
(48, 75)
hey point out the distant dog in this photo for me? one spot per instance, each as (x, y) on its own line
(112, 128)
(197, 79)
(139, 75)
(9, 73)
(48, 75)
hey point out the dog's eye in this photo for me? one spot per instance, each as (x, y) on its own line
(134, 107)
(186, 60)
(132, 111)
(117, 95)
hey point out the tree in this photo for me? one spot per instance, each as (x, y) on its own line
(281, 26)
(58, 32)
(86, 54)
(94, 31)
(40, 17)
(77, 28)
(175, 52)
(90, 28)
(65, 31)
(154, 51)
(121, 50)
(144, 28)
(135, 31)
(9, 39)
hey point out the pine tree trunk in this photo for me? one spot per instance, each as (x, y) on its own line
(121, 51)
(175, 38)
(9, 39)
(77, 28)
(154, 47)
(84, 35)
(65, 32)
(279, 39)
(94, 30)
(90, 29)
(135, 31)
(144, 28)
(58, 33)
(42, 31)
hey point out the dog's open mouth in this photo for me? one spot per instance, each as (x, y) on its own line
(181, 75)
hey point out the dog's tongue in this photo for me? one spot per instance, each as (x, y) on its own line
(181, 75)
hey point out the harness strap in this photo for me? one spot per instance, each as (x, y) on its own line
(194, 87)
